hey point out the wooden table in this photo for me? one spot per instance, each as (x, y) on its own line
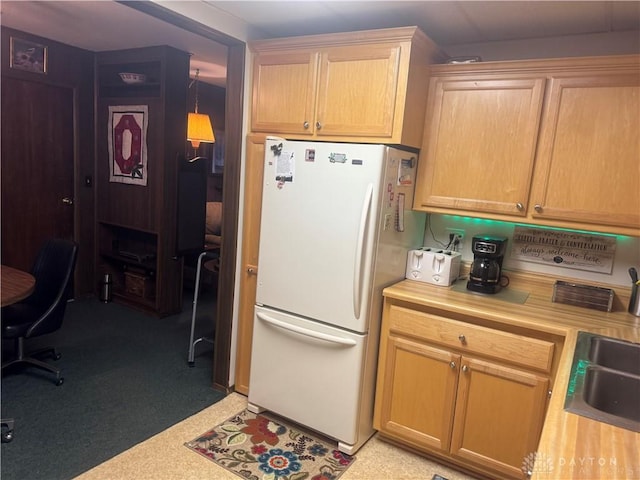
(15, 285)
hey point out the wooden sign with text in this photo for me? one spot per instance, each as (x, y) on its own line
(581, 251)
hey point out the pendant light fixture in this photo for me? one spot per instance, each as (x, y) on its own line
(199, 128)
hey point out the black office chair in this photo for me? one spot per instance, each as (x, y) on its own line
(43, 311)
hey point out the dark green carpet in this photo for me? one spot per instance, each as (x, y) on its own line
(126, 378)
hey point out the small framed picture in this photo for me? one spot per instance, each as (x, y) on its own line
(28, 56)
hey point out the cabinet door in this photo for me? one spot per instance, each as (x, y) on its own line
(587, 166)
(416, 404)
(480, 144)
(498, 416)
(284, 93)
(250, 242)
(357, 91)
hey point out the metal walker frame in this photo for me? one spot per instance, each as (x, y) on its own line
(193, 342)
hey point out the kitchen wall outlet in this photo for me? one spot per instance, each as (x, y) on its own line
(458, 240)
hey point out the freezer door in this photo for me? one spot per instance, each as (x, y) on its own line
(308, 372)
(320, 207)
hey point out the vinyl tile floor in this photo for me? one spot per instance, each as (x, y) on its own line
(164, 455)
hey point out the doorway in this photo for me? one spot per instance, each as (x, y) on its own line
(41, 158)
(231, 180)
(78, 66)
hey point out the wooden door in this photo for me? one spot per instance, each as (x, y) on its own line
(480, 144)
(37, 168)
(254, 170)
(587, 169)
(498, 416)
(416, 392)
(284, 93)
(357, 91)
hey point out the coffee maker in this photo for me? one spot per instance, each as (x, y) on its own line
(486, 269)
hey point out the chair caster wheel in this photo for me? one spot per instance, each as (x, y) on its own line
(7, 436)
(192, 364)
(59, 382)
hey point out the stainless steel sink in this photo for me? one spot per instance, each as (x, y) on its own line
(615, 354)
(612, 391)
(605, 381)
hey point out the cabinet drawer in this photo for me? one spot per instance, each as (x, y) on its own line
(468, 338)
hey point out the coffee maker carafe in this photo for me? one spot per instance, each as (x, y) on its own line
(486, 269)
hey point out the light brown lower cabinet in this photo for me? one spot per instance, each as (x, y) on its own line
(468, 394)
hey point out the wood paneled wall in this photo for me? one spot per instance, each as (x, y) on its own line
(73, 68)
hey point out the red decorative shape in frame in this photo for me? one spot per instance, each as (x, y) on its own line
(126, 165)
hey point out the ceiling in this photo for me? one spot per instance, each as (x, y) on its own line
(109, 25)
(445, 22)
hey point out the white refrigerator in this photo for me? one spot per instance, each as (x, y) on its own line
(336, 228)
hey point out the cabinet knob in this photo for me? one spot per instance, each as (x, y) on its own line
(452, 365)
(67, 201)
(305, 125)
(520, 206)
(538, 208)
(465, 368)
(462, 338)
(318, 125)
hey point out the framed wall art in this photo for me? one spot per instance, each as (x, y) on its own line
(28, 56)
(127, 144)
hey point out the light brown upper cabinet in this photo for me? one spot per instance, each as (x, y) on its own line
(480, 143)
(588, 163)
(553, 142)
(365, 86)
(284, 92)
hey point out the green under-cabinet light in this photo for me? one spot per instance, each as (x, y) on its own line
(486, 221)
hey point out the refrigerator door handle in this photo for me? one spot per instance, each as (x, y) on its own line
(304, 331)
(360, 251)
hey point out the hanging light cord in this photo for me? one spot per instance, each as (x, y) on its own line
(195, 80)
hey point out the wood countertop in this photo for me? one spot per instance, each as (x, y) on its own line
(571, 446)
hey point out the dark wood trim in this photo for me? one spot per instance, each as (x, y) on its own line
(231, 185)
(174, 18)
(231, 201)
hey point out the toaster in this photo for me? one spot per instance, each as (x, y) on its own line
(433, 265)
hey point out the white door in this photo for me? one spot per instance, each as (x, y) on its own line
(319, 220)
(307, 372)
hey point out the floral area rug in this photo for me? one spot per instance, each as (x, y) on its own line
(258, 448)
